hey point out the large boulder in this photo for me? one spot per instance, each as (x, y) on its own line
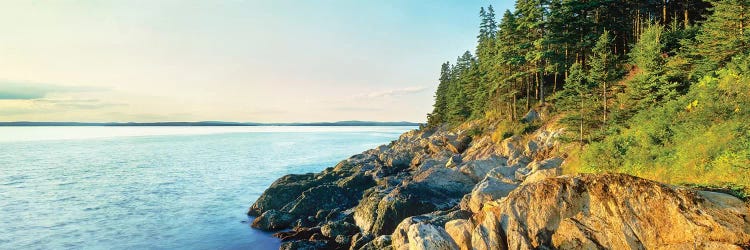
(446, 181)
(273, 220)
(398, 159)
(613, 211)
(478, 169)
(324, 197)
(382, 242)
(460, 231)
(540, 170)
(380, 211)
(283, 191)
(401, 238)
(336, 229)
(425, 236)
(489, 189)
(457, 143)
(531, 116)
(481, 148)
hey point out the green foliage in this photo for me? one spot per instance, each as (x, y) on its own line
(723, 35)
(653, 86)
(702, 137)
(678, 114)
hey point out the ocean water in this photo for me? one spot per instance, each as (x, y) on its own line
(155, 187)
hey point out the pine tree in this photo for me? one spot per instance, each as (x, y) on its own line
(439, 113)
(651, 86)
(486, 53)
(461, 88)
(532, 19)
(578, 99)
(723, 34)
(603, 69)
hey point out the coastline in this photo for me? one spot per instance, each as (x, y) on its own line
(448, 188)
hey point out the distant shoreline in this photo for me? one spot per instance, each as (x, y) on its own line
(203, 123)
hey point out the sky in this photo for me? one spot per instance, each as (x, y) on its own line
(228, 60)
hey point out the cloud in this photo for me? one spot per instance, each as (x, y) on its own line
(78, 103)
(10, 90)
(393, 92)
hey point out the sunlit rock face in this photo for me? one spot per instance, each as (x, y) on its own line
(441, 189)
(612, 211)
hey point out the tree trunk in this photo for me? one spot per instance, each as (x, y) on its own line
(604, 94)
(528, 93)
(664, 13)
(554, 88)
(541, 89)
(536, 81)
(581, 119)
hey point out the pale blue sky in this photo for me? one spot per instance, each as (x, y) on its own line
(265, 61)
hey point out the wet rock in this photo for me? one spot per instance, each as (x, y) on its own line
(304, 245)
(273, 220)
(298, 234)
(319, 197)
(284, 190)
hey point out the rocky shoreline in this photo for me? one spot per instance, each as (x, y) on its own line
(445, 189)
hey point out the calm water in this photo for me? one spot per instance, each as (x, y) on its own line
(155, 187)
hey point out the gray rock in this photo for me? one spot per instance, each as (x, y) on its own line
(425, 236)
(489, 189)
(478, 169)
(382, 242)
(460, 231)
(400, 237)
(612, 211)
(284, 190)
(531, 116)
(273, 220)
(304, 245)
(334, 229)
